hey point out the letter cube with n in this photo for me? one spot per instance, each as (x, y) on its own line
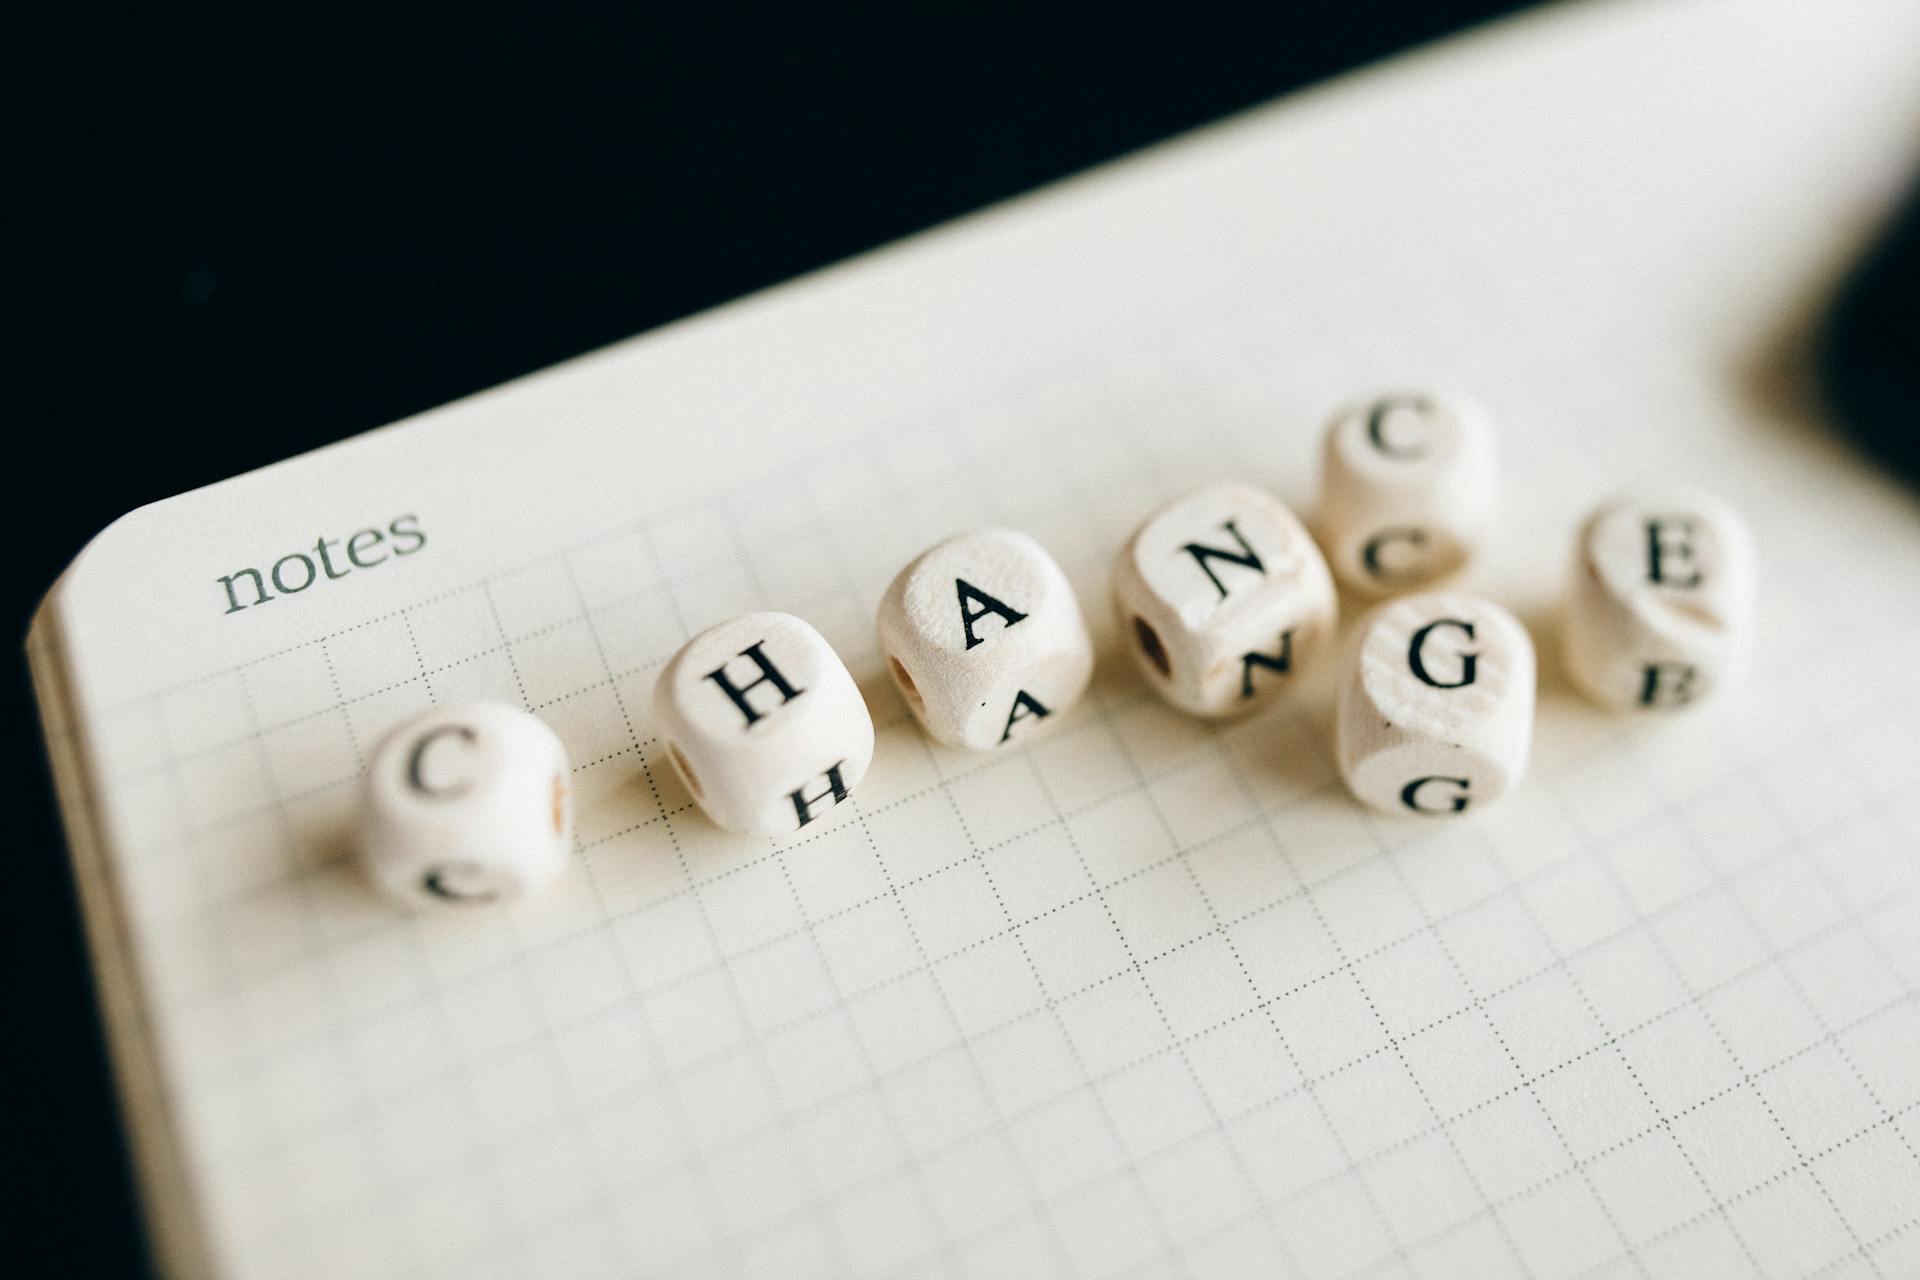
(985, 639)
(1222, 596)
(764, 723)
(1661, 605)
(1436, 704)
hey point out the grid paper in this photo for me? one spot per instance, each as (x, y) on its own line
(1146, 997)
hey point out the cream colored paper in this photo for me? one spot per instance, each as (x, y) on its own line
(1152, 997)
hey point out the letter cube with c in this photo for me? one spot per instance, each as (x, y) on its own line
(1661, 606)
(1222, 596)
(1435, 708)
(466, 804)
(763, 723)
(985, 639)
(1407, 489)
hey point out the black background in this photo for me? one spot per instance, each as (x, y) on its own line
(248, 235)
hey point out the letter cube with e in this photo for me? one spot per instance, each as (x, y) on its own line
(1222, 596)
(1435, 708)
(1661, 605)
(764, 723)
(1407, 489)
(985, 639)
(468, 804)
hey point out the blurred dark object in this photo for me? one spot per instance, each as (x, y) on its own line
(1870, 349)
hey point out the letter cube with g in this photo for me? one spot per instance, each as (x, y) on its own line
(1435, 708)
(1222, 597)
(764, 723)
(466, 804)
(985, 639)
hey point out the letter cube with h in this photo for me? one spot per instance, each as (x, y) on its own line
(763, 723)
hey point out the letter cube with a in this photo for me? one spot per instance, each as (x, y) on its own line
(1661, 605)
(1435, 708)
(1222, 596)
(764, 723)
(468, 803)
(1407, 490)
(985, 639)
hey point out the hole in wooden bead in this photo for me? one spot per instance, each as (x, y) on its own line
(686, 770)
(907, 686)
(1150, 645)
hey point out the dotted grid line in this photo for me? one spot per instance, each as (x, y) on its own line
(1569, 814)
(891, 891)
(1050, 1003)
(1134, 966)
(785, 1116)
(1345, 968)
(1634, 1139)
(949, 799)
(1880, 1241)
(1746, 913)
(1663, 1121)
(944, 1248)
(724, 1237)
(423, 676)
(1099, 1102)
(784, 1119)
(1070, 484)
(1388, 1229)
(1804, 837)
(161, 1032)
(1393, 1042)
(1617, 884)
(712, 1202)
(1829, 1035)
(1596, 1196)
(1665, 952)
(300, 956)
(1718, 886)
(362, 1082)
(710, 1059)
(574, 1109)
(1188, 760)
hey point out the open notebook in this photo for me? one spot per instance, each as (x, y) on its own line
(1149, 996)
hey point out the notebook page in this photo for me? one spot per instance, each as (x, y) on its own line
(1150, 996)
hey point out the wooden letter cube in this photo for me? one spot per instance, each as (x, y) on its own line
(1222, 596)
(1407, 489)
(1436, 704)
(466, 804)
(985, 639)
(1661, 605)
(764, 723)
